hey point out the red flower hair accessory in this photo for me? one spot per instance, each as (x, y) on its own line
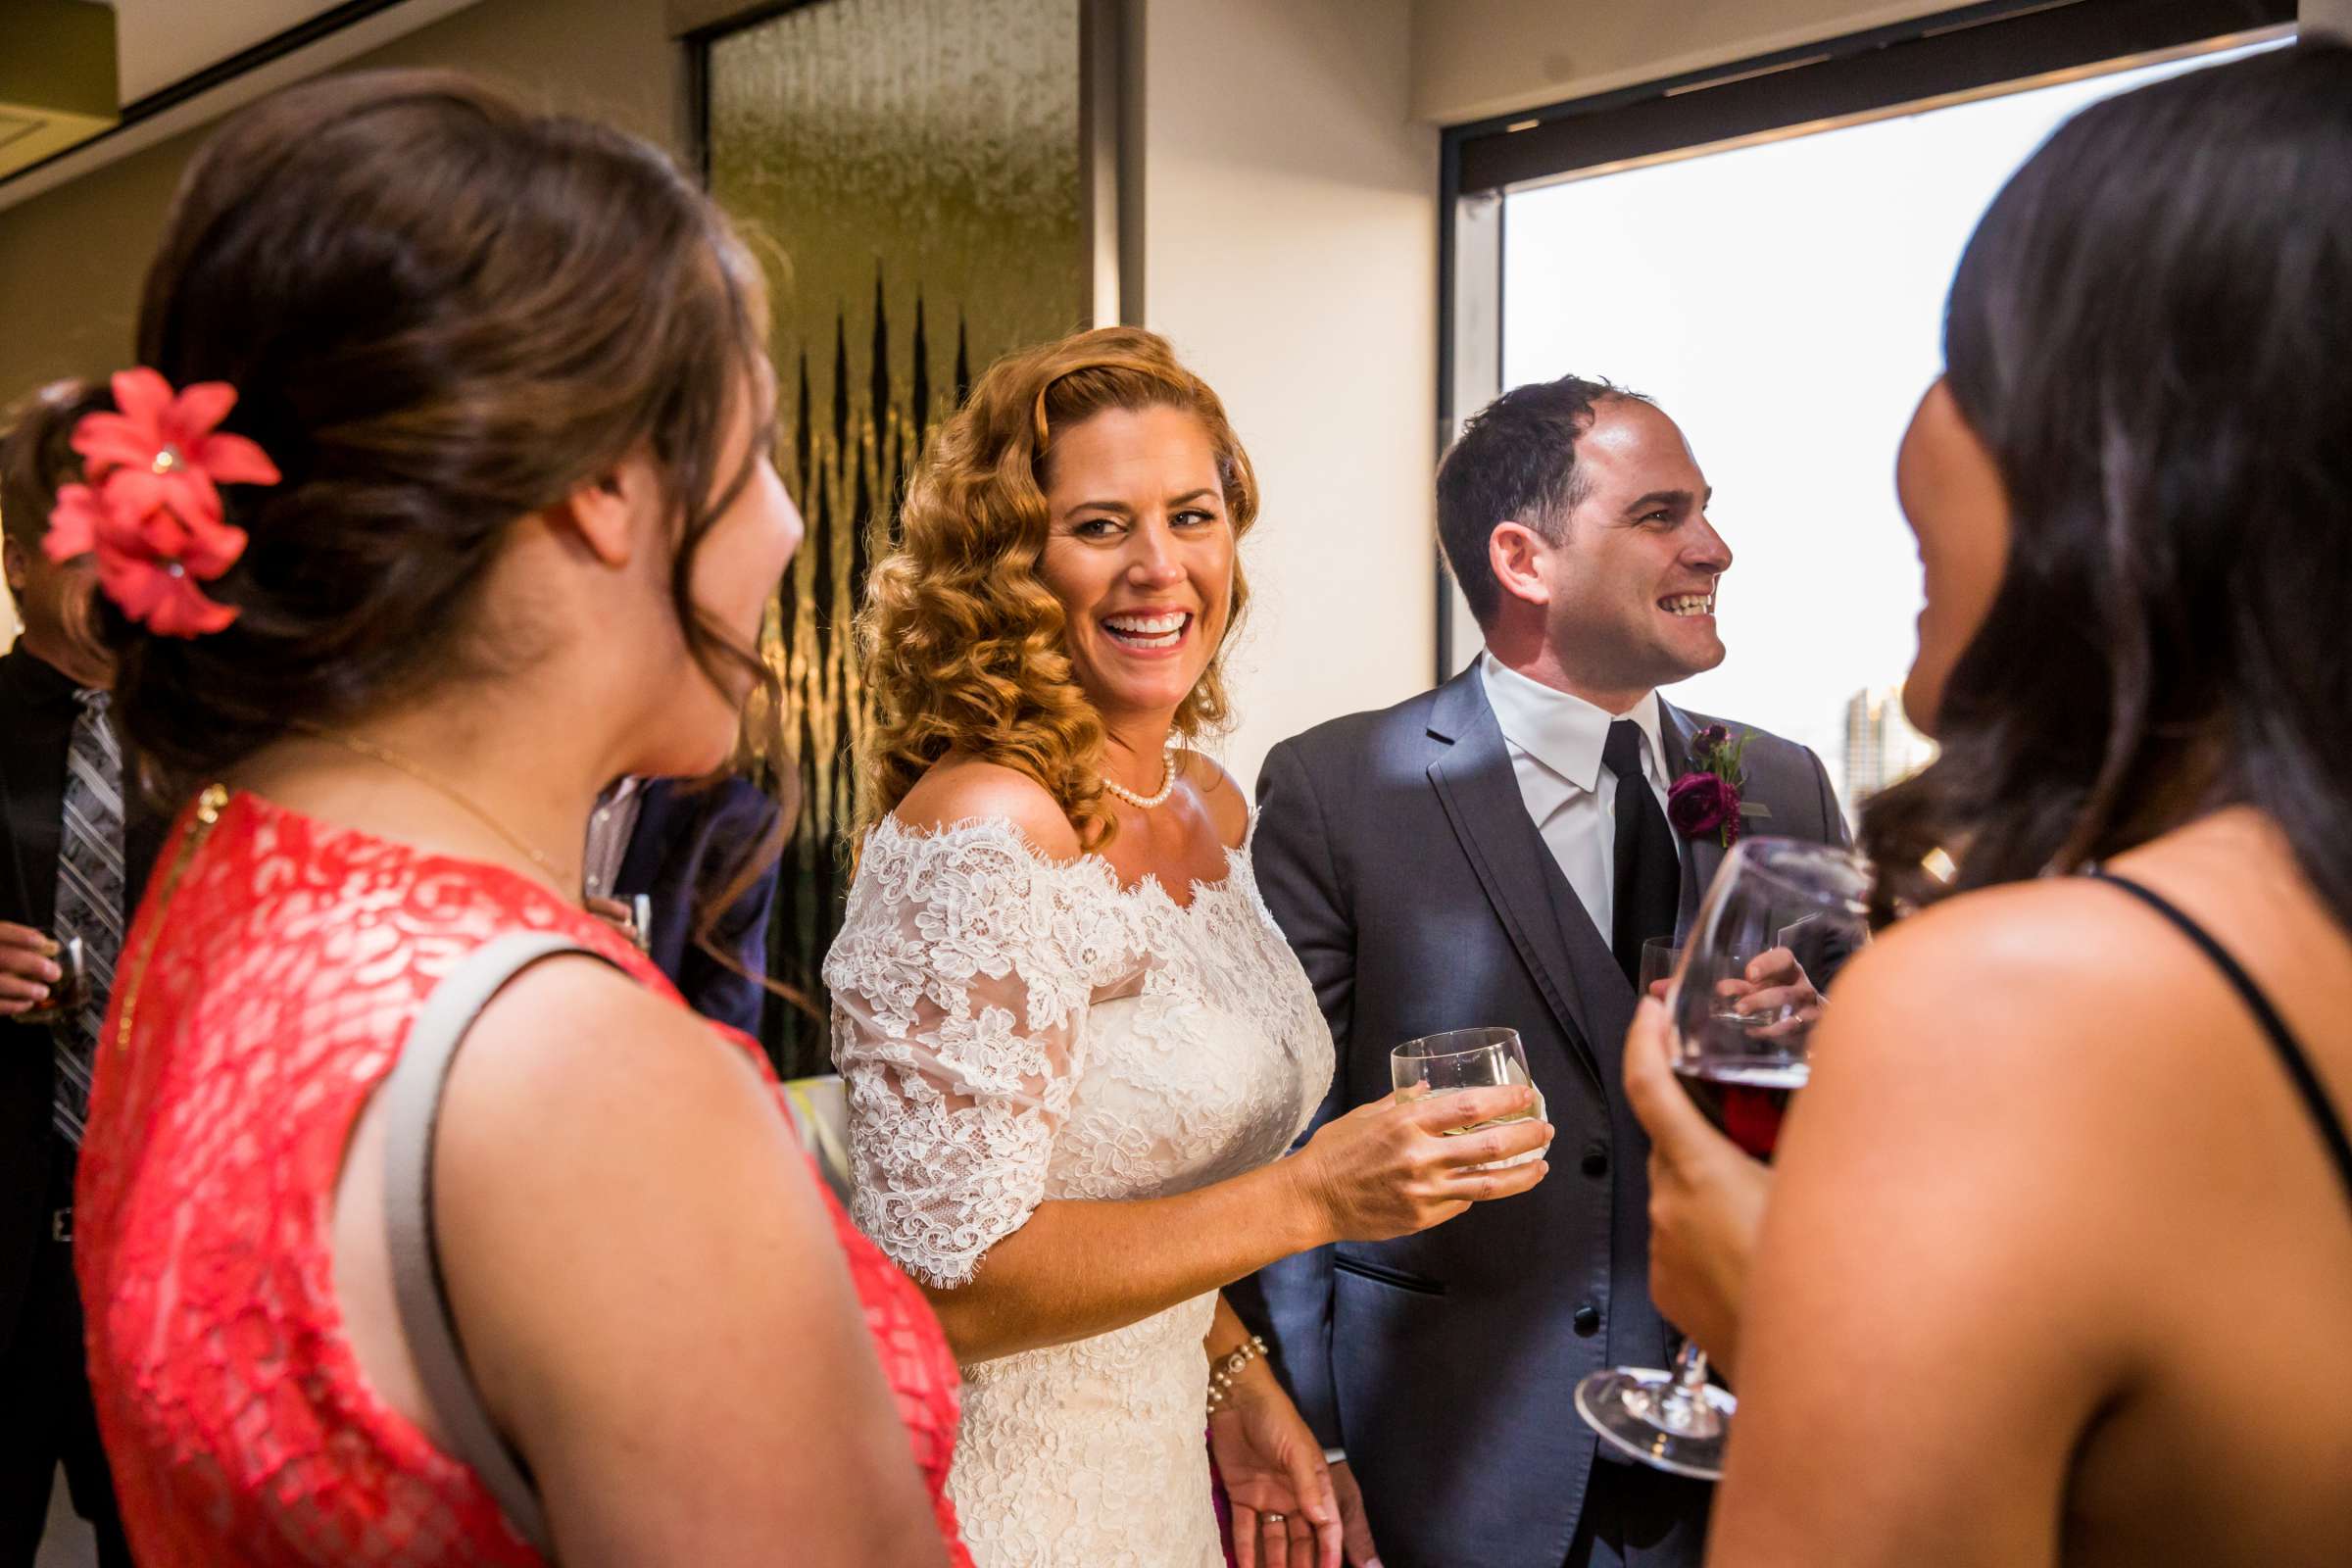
(152, 510)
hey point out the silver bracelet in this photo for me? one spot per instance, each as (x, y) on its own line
(1222, 1373)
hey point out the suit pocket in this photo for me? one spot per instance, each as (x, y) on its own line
(1381, 1274)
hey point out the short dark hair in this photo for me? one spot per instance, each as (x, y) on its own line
(2148, 333)
(37, 458)
(1515, 461)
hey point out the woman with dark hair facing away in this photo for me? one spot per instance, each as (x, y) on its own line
(1075, 1042)
(2056, 1260)
(440, 497)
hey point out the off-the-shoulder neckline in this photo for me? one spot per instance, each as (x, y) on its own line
(1086, 864)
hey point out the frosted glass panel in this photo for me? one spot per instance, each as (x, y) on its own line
(1784, 303)
(912, 174)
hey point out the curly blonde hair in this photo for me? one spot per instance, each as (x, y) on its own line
(962, 642)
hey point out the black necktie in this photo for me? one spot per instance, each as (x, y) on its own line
(1649, 874)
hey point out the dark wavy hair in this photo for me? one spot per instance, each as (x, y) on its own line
(2150, 331)
(441, 311)
(963, 641)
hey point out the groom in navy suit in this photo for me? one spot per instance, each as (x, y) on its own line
(1496, 852)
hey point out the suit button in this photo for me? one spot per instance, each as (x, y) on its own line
(1597, 1162)
(1587, 1321)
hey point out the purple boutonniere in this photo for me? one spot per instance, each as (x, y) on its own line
(1706, 799)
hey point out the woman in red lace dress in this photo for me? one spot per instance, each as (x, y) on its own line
(490, 522)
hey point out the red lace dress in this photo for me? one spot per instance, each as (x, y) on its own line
(289, 961)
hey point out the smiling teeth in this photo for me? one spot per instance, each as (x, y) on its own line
(1149, 631)
(1692, 604)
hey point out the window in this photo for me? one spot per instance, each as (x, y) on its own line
(1781, 297)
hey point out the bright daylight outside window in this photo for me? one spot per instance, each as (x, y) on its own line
(1784, 303)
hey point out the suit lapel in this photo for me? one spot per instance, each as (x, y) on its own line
(1703, 856)
(1472, 775)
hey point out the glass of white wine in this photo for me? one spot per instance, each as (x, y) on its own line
(1468, 1058)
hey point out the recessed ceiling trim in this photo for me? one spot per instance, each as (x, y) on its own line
(318, 45)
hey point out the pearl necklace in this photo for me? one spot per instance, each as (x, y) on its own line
(1145, 802)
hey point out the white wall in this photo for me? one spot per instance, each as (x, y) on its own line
(2335, 16)
(1477, 58)
(1289, 231)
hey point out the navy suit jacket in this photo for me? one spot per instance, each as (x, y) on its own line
(687, 843)
(1399, 858)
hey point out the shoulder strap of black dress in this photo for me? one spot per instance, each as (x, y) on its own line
(2290, 1053)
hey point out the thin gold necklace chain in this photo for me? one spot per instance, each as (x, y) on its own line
(214, 799)
(401, 764)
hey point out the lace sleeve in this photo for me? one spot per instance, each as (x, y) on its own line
(960, 985)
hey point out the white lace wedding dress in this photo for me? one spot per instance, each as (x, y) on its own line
(1012, 1030)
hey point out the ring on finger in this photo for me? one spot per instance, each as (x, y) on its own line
(1273, 1519)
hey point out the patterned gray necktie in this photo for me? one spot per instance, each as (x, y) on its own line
(89, 899)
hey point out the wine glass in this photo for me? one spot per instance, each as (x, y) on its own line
(1468, 1058)
(1780, 919)
(1659, 957)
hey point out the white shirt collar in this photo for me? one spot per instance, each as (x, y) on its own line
(1564, 733)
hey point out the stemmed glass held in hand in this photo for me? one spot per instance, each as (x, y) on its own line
(1780, 919)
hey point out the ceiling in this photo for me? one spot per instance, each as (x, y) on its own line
(162, 45)
(159, 42)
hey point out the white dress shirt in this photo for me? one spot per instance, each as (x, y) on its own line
(1556, 742)
(608, 833)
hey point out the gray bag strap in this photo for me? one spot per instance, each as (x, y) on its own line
(411, 1101)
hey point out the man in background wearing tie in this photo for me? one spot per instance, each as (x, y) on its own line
(68, 869)
(1495, 853)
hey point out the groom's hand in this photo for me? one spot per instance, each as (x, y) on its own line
(1776, 988)
(1355, 1531)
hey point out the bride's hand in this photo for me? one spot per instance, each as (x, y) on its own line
(1284, 1514)
(1386, 1169)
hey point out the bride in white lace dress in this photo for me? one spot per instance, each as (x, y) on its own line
(1075, 1043)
